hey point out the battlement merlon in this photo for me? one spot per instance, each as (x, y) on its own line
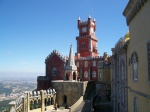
(87, 36)
(88, 23)
(42, 78)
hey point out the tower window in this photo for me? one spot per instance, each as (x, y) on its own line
(54, 71)
(83, 45)
(134, 61)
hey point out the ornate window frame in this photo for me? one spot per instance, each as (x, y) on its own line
(54, 71)
(134, 62)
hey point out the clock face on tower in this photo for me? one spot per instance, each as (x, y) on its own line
(84, 29)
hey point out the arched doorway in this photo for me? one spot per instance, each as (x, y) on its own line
(74, 76)
(67, 76)
(65, 99)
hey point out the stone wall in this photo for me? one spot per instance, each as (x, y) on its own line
(68, 92)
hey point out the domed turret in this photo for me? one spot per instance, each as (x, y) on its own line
(127, 36)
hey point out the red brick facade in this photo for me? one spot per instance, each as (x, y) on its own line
(55, 64)
(88, 68)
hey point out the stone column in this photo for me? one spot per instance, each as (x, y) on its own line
(12, 106)
(23, 104)
(28, 102)
(42, 101)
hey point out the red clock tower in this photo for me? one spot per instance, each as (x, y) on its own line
(86, 41)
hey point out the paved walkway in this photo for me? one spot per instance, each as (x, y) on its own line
(58, 110)
(85, 106)
(51, 109)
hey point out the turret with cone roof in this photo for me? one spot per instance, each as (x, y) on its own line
(71, 68)
(71, 63)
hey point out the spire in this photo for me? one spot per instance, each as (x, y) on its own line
(79, 18)
(71, 65)
(94, 19)
(89, 16)
(71, 58)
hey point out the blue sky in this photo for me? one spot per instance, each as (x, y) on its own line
(31, 29)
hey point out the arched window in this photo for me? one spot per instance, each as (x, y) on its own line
(86, 74)
(135, 104)
(85, 64)
(83, 45)
(94, 74)
(54, 71)
(134, 62)
(122, 70)
(94, 63)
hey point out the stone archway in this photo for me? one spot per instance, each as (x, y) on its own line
(65, 99)
(65, 103)
(74, 75)
(67, 76)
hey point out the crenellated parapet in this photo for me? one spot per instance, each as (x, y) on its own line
(90, 58)
(93, 57)
(58, 54)
(42, 78)
(33, 100)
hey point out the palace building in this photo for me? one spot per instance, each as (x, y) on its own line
(87, 65)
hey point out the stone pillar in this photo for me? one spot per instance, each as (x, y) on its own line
(42, 101)
(54, 99)
(28, 102)
(23, 104)
(12, 106)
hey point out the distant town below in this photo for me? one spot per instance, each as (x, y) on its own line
(14, 87)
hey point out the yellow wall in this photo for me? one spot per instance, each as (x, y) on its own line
(143, 103)
(139, 29)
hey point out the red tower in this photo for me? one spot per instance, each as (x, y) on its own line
(86, 41)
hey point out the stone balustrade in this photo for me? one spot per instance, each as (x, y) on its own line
(34, 100)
